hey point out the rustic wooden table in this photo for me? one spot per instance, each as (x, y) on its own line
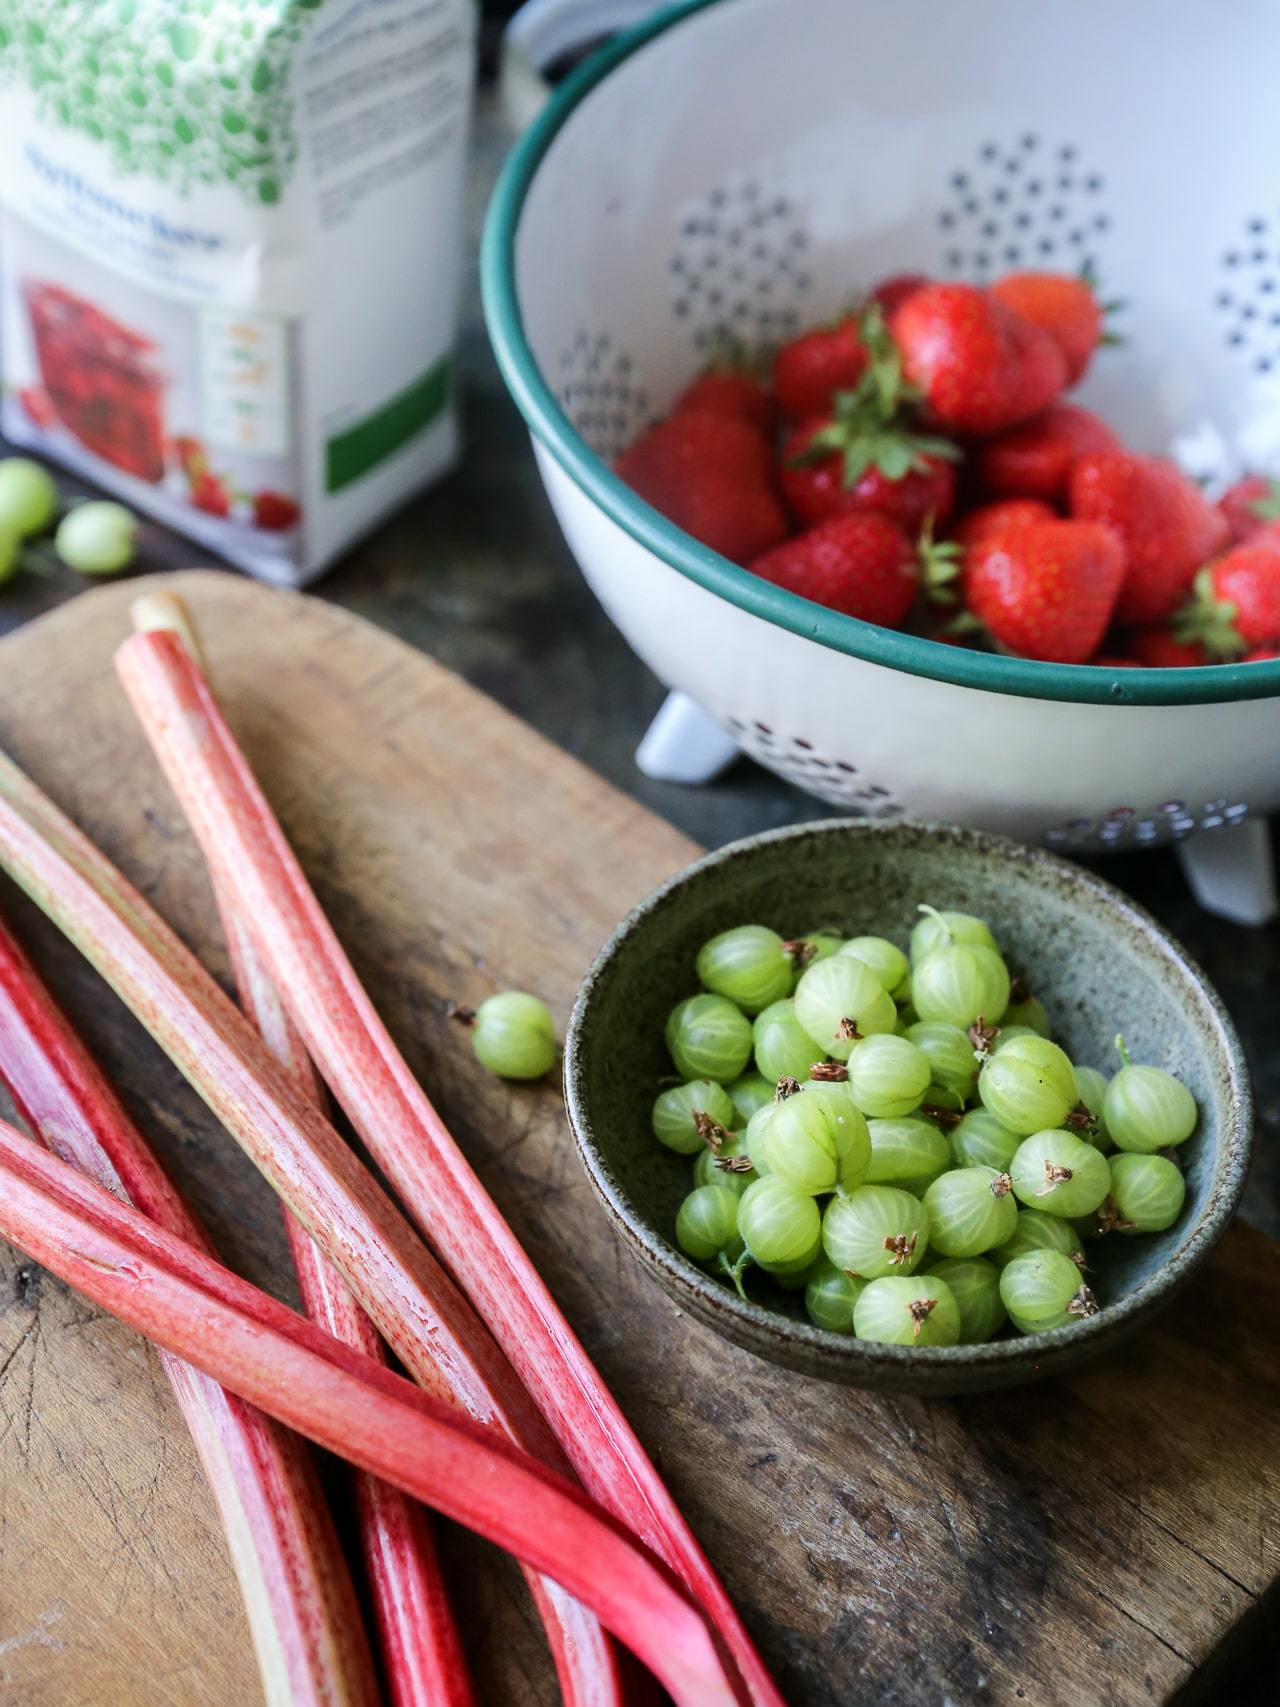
(475, 573)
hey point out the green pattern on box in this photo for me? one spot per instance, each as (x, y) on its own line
(187, 92)
(352, 453)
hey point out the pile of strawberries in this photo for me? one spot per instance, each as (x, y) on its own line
(913, 463)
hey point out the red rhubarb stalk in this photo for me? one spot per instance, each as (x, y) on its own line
(255, 868)
(413, 1302)
(303, 1615)
(422, 1655)
(378, 1421)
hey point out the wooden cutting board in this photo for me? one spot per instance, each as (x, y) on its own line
(1091, 1541)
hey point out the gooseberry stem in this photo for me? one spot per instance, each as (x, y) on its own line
(1122, 1050)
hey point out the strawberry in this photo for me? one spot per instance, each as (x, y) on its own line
(727, 389)
(834, 463)
(1256, 654)
(989, 521)
(209, 493)
(979, 367)
(190, 454)
(1047, 590)
(1235, 608)
(1035, 460)
(274, 510)
(858, 563)
(1160, 649)
(713, 476)
(1065, 306)
(1165, 525)
(892, 292)
(809, 370)
(1249, 505)
(38, 405)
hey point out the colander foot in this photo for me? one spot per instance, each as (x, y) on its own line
(683, 744)
(1232, 873)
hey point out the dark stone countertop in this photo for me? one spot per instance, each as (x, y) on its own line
(476, 573)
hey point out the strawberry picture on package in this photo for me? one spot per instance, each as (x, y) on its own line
(918, 461)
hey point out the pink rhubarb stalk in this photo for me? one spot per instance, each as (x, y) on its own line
(413, 1302)
(254, 867)
(307, 1630)
(422, 1655)
(383, 1424)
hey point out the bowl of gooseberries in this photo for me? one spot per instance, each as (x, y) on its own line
(906, 1107)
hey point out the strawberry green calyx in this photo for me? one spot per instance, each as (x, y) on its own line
(1267, 506)
(1210, 620)
(941, 561)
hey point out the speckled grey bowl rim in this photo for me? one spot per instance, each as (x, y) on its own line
(752, 1325)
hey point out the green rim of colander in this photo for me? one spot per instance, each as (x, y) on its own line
(553, 429)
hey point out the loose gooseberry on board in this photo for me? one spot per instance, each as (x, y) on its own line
(709, 1038)
(980, 1141)
(829, 1297)
(953, 1061)
(749, 965)
(840, 1000)
(783, 1048)
(1146, 1108)
(934, 929)
(1034, 1231)
(1060, 1174)
(10, 554)
(28, 497)
(748, 1093)
(1028, 1084)
(909, 1153)
(920, 1311)
(1147, 1194)
(885, 959)
(1043, 1290)
(514, 1035)
(876, 1230)
(813, 1149)
(975, 1286)
(888, 1076)
(781, 1227)
(686, 1118)
(97, 538)
(970, 1210)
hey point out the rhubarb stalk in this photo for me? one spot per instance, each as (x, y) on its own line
(304, 1619)
(254, 867)
(415, 1305)
(277, 1360)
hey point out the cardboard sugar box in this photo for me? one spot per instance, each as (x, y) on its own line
(230, 257)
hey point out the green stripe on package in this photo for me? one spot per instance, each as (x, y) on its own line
(231, 228)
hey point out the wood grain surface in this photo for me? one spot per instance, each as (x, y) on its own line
(1092, 1541)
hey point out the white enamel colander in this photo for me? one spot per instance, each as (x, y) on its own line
(742, 167)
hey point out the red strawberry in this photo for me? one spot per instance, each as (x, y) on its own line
(1166, 526)
(864, 468)
(274, 510)
(989, 521)
(1256, 654)
(38, 405)
(1064, 305)
(1035, 460)
(727, 390)
(1160, 649)
(1250, 505)
(859, 563)
(813, 367)
(979, 367)
(1047, 590)
(711, 475)
(209, 493)
(190, 454)
(1236, 605)
(892, 292)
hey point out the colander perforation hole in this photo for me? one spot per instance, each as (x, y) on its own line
(800, 760)
(599, 393)
(1014, 209)
(1129, 826)
(741, 232)
(1252, 269)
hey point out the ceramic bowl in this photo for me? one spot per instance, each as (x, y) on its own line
(1101, 965)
